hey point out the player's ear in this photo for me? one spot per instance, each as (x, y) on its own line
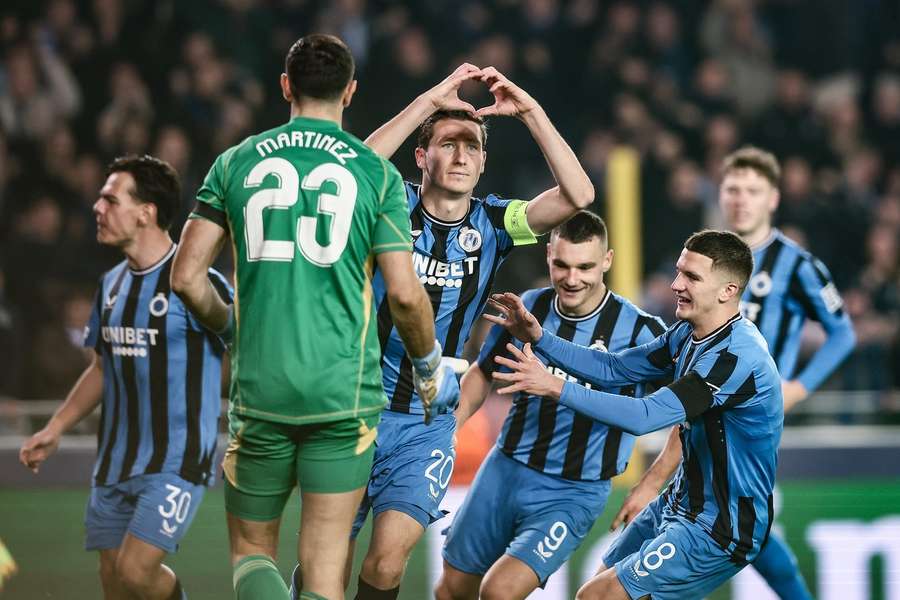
(286, 88)
(774, 200)
(348, 93)
(728, 292)
(147, 215)
(420, 157)
(607, 260)
(483, 160)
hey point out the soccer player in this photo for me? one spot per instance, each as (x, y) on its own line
(788, 287)
(157, 373)
(715, 516)
(459, 244)
(541, 489)
(310, 210)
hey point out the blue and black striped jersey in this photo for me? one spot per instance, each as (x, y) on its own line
(552, 438)
(161, 377)
(789, 286)
(727, 397)
(456, 262)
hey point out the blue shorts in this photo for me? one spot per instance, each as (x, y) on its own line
(412, 468)
(668, 557)
(157, 509)
(513, 509)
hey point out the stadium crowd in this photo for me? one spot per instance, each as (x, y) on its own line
(684, 83)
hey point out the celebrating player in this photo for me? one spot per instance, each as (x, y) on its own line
(788, 287)
(310, 210)
(555, 465)
(715, 516)
(157, 372)
(459, 243)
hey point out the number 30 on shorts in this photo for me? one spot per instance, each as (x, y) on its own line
(178, 504)
(654, 560)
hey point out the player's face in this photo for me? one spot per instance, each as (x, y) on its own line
(119, 215)
(576, 272)
(454, 158)
(747, 200)
(697, 286)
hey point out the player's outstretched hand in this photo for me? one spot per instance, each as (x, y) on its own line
(639, 497)
(527, 374)
(445, 95)
(509, 99)
(38, 448)
(514, 317)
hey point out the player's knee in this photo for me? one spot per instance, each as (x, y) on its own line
(450, 589)
(493, 589)
(384, 571)
(133, 576)
(596, 589)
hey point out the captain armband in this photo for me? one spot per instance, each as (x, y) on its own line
(515, 222)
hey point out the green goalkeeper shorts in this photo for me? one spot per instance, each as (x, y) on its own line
(265, 460)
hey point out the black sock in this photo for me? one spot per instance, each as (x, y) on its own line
(364, 591)
(177, 592)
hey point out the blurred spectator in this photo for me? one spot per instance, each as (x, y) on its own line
(40, 92)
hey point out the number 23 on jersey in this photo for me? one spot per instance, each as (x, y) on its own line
(338, 205)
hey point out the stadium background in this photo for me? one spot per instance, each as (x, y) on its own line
(680, 83)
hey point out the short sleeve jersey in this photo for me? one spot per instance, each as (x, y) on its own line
(307, 205)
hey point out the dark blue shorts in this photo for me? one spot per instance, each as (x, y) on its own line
(668, 557)
(157, 509)
(513, 509)
(412, 468)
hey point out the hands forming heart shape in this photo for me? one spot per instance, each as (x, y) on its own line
(509, 99)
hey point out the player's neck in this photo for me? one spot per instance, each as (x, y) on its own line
(704, 325)
(318, 110)
(148, 249)
(444, 205)
(758, 236)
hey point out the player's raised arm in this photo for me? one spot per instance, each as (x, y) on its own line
(84, 397)
(634, 365)
(574, 190)
(201, 241)
(682, 400)
(444, 96)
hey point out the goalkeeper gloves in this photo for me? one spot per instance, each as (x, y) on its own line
(435, 381)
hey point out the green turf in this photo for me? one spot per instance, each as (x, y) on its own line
(44, 531)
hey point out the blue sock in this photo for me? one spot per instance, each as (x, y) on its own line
(778, 566)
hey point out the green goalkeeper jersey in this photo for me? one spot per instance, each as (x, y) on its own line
(308, 206)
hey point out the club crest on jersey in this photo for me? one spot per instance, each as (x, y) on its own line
(599, 345)
(159, 305)
(469, 239)
(760, 284)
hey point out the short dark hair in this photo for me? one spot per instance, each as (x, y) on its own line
(155, 181)
(727, 251)
(581, 227)
(319, 66)
(757, 159)
(426, 131)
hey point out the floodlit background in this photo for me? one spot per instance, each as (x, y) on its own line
(681, 82)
